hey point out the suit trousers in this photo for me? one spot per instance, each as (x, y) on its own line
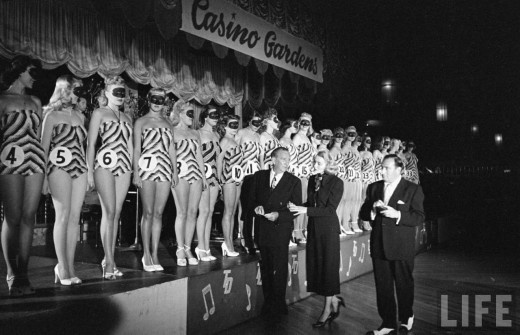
(274, 271)
(386, 273)
(247, 216)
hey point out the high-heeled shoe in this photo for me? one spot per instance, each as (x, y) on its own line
(181, 258)
(191, 260)
(158, 267)
(227, 252)
(341, 302)
(210, 256)
(198, 252)
(64, 282)
(148, 268)
(76, 281)
(107, 275)
(117, 272)
(14, 289)
(320, 324)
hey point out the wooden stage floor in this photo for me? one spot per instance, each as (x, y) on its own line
(458, 268)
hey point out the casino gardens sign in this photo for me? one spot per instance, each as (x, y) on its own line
(221, 22)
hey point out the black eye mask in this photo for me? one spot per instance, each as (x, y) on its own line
(368, 142)
(189, 114)
(119, 92)
(339, 135)
(351, 134)
(325, 138)
(233, 125)
(213, 115)
(35, 73)
(158, 100)
(305, 123)
(387, 143)
(80, 92)
(317, 136)
(256, 123)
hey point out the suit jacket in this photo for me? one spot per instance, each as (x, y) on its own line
(289, 188)
(388, 240)
(323, 213)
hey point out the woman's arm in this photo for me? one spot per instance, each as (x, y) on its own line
(93, 131)
(137, 151)
(333, 201)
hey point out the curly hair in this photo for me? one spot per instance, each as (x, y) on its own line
(251, 117)
(62, 91)
(222, 123)
(331, 167)
(286, 125)
(307, 116)
(270, 112)
(109, 81)
(15, 68)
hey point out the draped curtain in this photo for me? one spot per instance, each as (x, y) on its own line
(90, 43)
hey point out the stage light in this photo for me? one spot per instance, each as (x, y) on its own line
(442, 112)
(498, 139)
(474, 129)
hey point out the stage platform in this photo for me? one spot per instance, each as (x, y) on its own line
(202, 299)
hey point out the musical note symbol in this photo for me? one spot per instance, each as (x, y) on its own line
(354, 249)
(362, 253)
(369, 251)
(349, 265)
(211, 311)
(340, 262)
(258, 275)
(294, 264)
(248, 291)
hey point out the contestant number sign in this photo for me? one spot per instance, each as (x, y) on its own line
(60, 156)
(12, 156)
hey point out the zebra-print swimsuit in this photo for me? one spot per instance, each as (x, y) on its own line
(232, 157)
(412, 171)
(72, 138)
(251, 157)
(115, 136)
(187, 157)
(210, 151)
(293, 158)
(156, 142)
(20, 129)
(306, 155)
(269, 146)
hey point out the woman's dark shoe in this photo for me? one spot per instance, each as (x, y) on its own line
(341, 302)
(320, 324)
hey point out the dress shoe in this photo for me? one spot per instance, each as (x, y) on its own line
(382, 331)
(341, 302)
(201, 255)
(321, 324)
(357, 230)
(76, 281)
(14, 289)
(227, 252)
(408, 324)
(181, 257)
(210, 256)
(148, 268)
(191, 260)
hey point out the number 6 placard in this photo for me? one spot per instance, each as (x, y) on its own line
(12, 156)
(107, 158)
(60, 156)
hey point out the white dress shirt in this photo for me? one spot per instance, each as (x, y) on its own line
(389, 191)
(271, 177)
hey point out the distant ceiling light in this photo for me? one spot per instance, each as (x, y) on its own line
(474, 129)
(498, 139)
(442, 112)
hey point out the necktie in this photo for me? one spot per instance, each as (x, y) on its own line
(386, 194)
(273, 183)
(317, 183)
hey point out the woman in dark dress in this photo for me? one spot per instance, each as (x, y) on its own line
(323, 251)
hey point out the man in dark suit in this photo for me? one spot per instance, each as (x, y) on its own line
(395, 207)
(270, 192)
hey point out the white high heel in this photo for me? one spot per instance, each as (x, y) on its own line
(191, 260)
(227, 252)
(199, 257)
(64, 282)
(210, 256)
(181, 259)
(148, 268)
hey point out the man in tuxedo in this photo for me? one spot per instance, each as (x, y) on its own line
(395, 207)
(270, 192)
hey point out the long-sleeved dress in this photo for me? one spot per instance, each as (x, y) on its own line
(323, 235)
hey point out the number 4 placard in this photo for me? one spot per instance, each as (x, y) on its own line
(12, 156)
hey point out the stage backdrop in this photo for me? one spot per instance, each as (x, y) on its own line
(223, 23)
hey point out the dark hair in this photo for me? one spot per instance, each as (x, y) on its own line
(275, 152)
(269, 113)
(250, 118)
(223, 121)
(16, 67)
(397, 160)
(363, 138)
(286, 125)
(204, 114)
(378, 143)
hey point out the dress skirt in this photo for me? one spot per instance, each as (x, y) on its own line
(323, 257)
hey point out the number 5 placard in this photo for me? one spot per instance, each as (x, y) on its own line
(12, 156)
(60, 156)
(107, 158)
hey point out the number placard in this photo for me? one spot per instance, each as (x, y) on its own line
(305, 171)
(12, 156)
(148, 162)
(182, 168)
(107, 158)
(60, 156)
(351, 174)
(237, 173)
(208, 171)
(251, 168)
